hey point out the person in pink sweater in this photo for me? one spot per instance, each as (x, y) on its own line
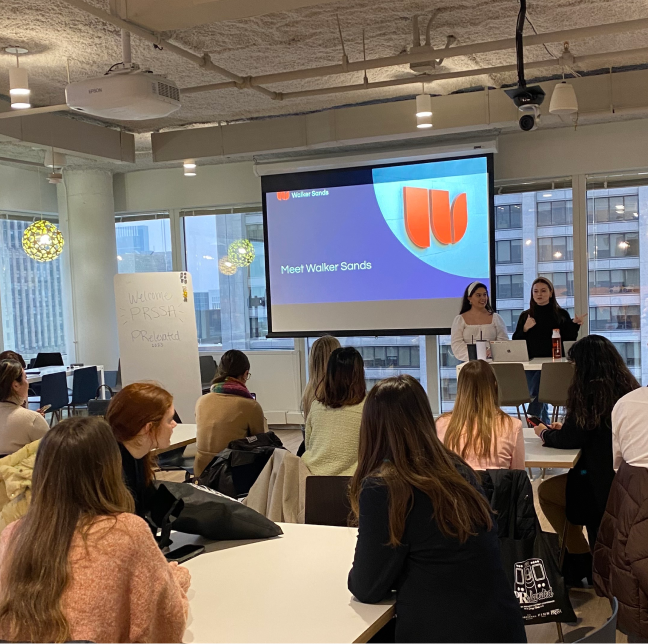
(79, 565)
(477, 429)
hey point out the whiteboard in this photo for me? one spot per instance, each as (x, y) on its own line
(157, 335)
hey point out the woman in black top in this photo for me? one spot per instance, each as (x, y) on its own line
(536, 326)
(141, 417)
(600, 379)
(425, 529)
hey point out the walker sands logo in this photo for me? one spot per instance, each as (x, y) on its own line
(283, 196)
(430, 209)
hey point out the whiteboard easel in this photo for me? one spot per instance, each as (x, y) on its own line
(158, 340)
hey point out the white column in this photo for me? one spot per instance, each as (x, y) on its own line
(87, 218)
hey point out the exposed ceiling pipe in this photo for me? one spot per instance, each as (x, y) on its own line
(428, 78)
(577, 33)
(202, 61)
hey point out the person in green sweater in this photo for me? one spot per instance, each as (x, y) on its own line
(333, 424)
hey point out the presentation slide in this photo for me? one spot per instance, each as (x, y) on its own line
(379, 249)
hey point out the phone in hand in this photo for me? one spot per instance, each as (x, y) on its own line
(184, 553)
(534, 421)
(44, 409)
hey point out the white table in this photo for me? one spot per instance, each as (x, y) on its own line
(532, 365)
(36, 375)
(291, 588)
(183, 435)
(536, 455)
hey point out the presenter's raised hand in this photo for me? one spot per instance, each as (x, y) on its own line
(579, 319)
(529, 324)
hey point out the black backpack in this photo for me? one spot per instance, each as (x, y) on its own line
(234, 470)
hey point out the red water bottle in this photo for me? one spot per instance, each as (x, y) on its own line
(556, 345)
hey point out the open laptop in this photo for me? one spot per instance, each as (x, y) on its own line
(567, 345)
(509, 351)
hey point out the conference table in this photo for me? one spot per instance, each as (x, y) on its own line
(534, 364)
(36, 375)
(537, 455)
(183, 434)
(291, 588)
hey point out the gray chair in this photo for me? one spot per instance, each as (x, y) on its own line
(512, 386)
(327, 500)
(207, 372)
(554, 384)
(607, 632)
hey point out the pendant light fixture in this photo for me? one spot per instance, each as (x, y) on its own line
(563, 99)
(423, 110)
(18, 81)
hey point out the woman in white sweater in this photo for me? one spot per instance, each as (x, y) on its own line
(476, 321)
(333, 424)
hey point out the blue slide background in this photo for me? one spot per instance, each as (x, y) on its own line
(364, 223)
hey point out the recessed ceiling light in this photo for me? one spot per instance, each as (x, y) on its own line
(547, 194)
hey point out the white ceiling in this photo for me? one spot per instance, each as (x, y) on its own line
(56, 33)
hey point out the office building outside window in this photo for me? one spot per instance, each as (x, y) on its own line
(617, 244)
(533, 236)
(143, 243)
(30, 293)
(231, 309)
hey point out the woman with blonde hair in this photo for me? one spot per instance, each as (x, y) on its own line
(477, 429)
(79, 565)
(317, 362)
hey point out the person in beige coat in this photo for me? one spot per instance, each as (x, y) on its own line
(228, 412)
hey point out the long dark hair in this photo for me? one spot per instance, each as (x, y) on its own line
(344, 383)
(553, 302)
(466, 305)
(77, 478)
(399, 444)
(233, 364)
(10, 371)
(600, 379)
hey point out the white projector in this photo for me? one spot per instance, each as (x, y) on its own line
(132, 96)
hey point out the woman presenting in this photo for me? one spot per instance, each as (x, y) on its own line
(536, 326)
(476, 321)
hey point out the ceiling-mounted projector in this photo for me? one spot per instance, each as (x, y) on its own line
(124, 96)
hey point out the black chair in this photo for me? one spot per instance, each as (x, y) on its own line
(48, 360)
(54, 392)
(85, 383)
(327, 500)
(207, 372)
(607, 632)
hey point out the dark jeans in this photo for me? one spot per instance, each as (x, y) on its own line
(541, 410)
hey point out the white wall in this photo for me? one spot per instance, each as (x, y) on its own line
(26, 190)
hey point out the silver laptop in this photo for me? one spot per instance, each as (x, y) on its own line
(509, 351)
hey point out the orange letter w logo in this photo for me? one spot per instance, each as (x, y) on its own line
(430, 209)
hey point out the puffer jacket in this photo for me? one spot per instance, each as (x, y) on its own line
(15, 483)
(621, 551)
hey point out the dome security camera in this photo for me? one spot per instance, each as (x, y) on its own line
(530, 118)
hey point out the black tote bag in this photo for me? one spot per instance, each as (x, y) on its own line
(531, 566)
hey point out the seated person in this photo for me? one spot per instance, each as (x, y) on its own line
(333, 424)
(228, 412)
(18, 426)
(141, 417)
(477, 429)
(12, 355)
(425, 529)
(79, 565)
(317, 362)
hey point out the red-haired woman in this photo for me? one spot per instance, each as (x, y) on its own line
(141, 417)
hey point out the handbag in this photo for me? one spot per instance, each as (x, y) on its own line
(215, 516)
(531, 566)
(98, 406)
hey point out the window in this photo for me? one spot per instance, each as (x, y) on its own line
(613, 245)
(32, 305)
(510, 286)
(231, 311)
(554, 213)
(508, 251)
(448, 393)
(555, 249)
(619, 281)
(508, 216)
(446, 356)
(606, 209)
(614, 318)
(563, 283)
(143, 243)
(510, 317)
